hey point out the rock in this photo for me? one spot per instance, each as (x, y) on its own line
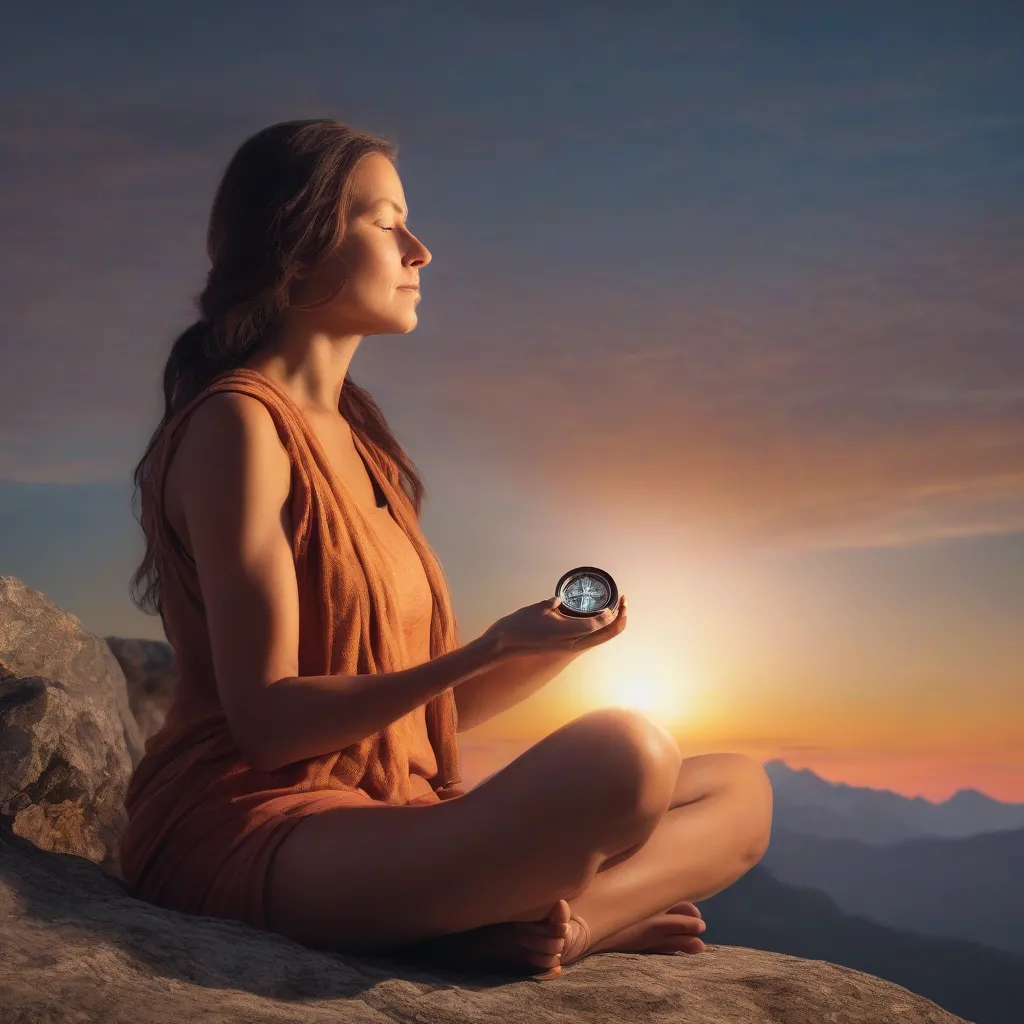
(39, 639)
(75, 944)
(62, 775)
(73, 935)
(151, 673)
(68, 740)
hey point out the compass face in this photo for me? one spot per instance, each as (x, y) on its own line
(586, 593)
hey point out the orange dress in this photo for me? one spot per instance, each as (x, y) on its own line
(203, 823)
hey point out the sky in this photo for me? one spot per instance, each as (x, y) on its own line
(725, 298)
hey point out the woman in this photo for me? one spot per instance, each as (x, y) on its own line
(305, 780)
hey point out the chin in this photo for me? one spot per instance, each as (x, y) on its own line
(394, 325)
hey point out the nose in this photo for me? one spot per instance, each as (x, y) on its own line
(421, 255)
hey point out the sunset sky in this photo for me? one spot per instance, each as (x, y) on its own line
(725, 298)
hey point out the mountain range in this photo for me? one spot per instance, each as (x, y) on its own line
(952, 869)
(813, 806)
(970, 888)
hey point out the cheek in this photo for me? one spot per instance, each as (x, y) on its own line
(371, 265)
(374, 263)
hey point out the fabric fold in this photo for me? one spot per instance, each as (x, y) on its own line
(373, 598)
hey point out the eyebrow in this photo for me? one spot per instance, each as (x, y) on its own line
(393, 204)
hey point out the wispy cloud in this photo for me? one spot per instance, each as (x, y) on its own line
(852, 379)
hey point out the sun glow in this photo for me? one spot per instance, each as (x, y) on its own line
(636, 677)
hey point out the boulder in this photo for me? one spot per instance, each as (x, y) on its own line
(75, 944)
(39, 639)
(150, 673)
(68, 739)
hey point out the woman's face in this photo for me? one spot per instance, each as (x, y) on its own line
(378, 258)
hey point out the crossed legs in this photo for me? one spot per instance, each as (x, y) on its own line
(715, 828)
(604, 813)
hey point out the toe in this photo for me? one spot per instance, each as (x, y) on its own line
(538, 958)
(555, 972)
(682, 924)
(549, 944)
(684, 908)
(544, 928)
(689, 944)
(544, 962)
(559, 913)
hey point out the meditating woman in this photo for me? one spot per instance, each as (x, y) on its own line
(306, 778)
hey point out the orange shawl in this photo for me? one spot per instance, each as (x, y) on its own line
(203, 822)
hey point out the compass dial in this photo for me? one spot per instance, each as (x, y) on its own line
(586, 591)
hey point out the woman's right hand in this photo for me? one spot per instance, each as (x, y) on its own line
(542, 627)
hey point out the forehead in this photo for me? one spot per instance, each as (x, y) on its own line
(382, 202)
(377, 185)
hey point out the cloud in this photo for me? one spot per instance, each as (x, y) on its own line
(877, 403)
(855, 381)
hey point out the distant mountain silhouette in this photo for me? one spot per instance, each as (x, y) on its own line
(978, 983)
(970, 888)
(806, 803)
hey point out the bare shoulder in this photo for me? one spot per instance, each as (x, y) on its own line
(225, 429)
(234, 482)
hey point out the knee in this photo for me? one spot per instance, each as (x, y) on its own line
(636, 760)
(757, 792)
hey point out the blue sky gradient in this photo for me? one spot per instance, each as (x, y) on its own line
(726, 298)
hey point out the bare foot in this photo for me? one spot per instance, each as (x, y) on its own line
(674, 931)
(512, 947)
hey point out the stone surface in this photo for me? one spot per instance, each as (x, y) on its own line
(68, 740)
(39, 639)
(150, 673)
(73, 936)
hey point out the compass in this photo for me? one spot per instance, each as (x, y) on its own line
(586, 590)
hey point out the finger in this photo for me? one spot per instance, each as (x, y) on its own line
(601, 635)
(597, 636)
(611, 614)
(614, 625)
(609, 622)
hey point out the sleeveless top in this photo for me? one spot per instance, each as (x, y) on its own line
(372, 598)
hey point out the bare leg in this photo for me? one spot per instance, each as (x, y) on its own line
(376, 878)
(715, 830)
(541, 932)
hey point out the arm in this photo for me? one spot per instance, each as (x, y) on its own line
(505, 683)
(235, 481)
(303, 717)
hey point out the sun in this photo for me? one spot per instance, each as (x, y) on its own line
(644, 680)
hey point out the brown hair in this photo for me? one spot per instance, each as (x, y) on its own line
(281, 209)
